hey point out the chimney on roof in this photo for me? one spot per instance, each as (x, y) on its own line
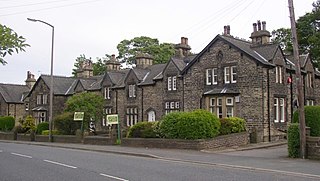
(260, 36)
(30, 81)
(226, 30)
(113, 63)
(144, 60)
(183, 48)
(86, 69)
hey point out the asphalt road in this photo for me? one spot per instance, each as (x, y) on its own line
(38, 163)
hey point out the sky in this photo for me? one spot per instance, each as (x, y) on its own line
(95, 27)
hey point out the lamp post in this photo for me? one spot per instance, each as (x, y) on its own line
(51, 78)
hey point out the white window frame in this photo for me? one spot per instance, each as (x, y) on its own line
(281, 110)
(172, 105)
(209, 76)
(45, 99)
(227, 75)
(229, 98)
(177, 105)
(132, 90)
(131, 116)
(214, 76)
(233, 74)
(229, 114)
(276, 109)
(151, 116)
(39, 99)
(212, 104)
(169, 83)
(219, 107)
(279, 74)
(107, 92)
(174, 83)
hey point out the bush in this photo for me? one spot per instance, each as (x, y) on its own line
(142, 130)
(28, 125)
(42, 126)
(294, 140)
(199, 124)
(65, 124)
(18, 129)
(7, 123)
(54, 132)
(312, 118)
(232, 125)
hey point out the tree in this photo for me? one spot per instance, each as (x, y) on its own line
(77, 64)
(89, 103)
(128, 49)
(10, 42)
(283, 37)
(99, 67)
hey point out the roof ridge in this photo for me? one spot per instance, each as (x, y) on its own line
(13, 84)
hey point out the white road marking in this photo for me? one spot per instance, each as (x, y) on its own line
(61, 164)
(0, 151)
(110, 176)
(17, 154)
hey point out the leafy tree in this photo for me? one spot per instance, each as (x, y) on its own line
(77, 64)
(89, 103)
(283, 37)
(128, 49)
(99, 66)
(10, 42)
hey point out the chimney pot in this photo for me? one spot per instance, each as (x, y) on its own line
(259, 25)
(186, 40)
(263, 25)
(224, 30)
(254, 27)
(228, 30)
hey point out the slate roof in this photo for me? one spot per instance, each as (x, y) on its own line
(116, 76)
(61, 85)
(140, 73)
(154, 71)
(13, 93)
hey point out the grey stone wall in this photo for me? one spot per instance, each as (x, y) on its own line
(313, 147)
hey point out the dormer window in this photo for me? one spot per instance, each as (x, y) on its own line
(309, 79)
(132, 90)
(172, 83)
(107, 92)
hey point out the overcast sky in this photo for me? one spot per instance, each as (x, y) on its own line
(95, 27)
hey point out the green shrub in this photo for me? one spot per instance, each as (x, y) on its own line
(28, 124)
(142, 130)
(294, 140)
(42, 126)
(232, 125)
(312, 118)
(65, 123)
(7, 123)
(199, 124)
(18, 129)
(54, 132)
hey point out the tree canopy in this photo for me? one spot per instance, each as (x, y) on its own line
(98, 66)
(308, 32)
(89, 103)
(128, 49)
(10, 42)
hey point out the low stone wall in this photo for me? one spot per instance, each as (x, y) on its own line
(98, 140)
(237, 139)
(313, 147)
(6, 136)
(66, 139)
(24, 137)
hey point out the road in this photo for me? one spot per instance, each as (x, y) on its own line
(38, 163)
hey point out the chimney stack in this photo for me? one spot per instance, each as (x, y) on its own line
(113, 63)
(183, 49)
(259, 25)
(225, 30)
(254, 27)
(30, 81)
(228, 29)
(263, 25)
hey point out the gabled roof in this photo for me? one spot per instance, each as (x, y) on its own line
(154, 71)
(116, 76)
(140, 73)
(256, 53)
(61, 85)
(13, 93)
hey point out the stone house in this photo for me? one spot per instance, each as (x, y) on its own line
(12, 98)
(253, 80)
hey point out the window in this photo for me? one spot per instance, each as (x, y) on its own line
(233, 74)
(27, 106)
(279, 77)
(41, 117)
(309, 102)
(211, 76)
(172, 107)
(107, 93)
(44, 99)
(279, 111)
(132, 90)
(151, 116)
(222, 106)
(132, 116)
(309, 79)
(172, 83)
(39, 99)
(107, 111)
(227, 75)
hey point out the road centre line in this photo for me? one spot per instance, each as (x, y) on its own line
(110, 176)
(17, 154)
(0, 151)
(61, 164)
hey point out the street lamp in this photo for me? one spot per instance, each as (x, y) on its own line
(51, 78)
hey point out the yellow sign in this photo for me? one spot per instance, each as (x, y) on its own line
(78, 116)
(112, 119)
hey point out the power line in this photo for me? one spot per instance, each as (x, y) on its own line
(31, 4)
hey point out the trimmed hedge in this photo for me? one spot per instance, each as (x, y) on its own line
(143, 130)
(7, 123)
(65, 124)
(42, 126)
(232, 125)
(199, 124)
(312, 118)
(294, 140)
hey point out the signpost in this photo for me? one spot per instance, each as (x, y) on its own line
(79, 116)
(114, 119)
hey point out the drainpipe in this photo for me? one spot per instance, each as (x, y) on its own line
(269, 121)
(142, 104)
(183, 83)
(262, 95)
(116, 101)
(8, 109)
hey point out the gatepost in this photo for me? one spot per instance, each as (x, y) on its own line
(113, 119)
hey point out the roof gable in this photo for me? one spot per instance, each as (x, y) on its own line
(13, 93)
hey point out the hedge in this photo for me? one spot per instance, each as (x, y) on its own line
(232, 125)
(312, 118)
(143, 130)
(199, 124)
(42, 126)
(294, 141)
(7, 123)
(65, 124)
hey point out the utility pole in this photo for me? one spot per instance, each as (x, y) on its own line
(299, 81)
